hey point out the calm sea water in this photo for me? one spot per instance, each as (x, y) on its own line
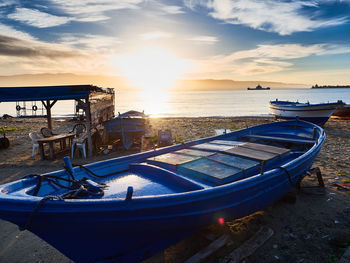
(202, 103)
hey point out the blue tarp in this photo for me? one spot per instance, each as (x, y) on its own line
(38, 93)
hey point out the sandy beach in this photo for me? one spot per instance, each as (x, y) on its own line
(314, 228)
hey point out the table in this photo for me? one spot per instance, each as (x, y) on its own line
(61, 138)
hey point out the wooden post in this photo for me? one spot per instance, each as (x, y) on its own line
(48, 107)
(88, 126)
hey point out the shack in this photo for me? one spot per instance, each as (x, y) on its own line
(96, 103)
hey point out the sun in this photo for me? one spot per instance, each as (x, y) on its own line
(151, 68)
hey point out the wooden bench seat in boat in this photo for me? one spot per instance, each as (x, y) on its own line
(266, 148)
(252, 153)
(227, 142)
(281, 139)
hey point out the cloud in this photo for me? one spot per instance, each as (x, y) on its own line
(264, 59)
(94, 10)
(37, 18)
(10, 31)
(29, 56)
(204, 39)
(156, 35)
(281, 17)
(172, 9)
(10, 46)
(91, 43)
(7, 2)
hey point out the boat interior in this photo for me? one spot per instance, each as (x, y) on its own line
(222, 160)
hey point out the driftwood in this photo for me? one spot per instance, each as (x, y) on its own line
(204, 253)
(250, 246)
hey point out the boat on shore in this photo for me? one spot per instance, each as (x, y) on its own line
(259, 87)
(128, 127)
(315, 113)
(127, 209)
(343, 112)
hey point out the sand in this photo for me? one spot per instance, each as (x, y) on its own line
(314, 228)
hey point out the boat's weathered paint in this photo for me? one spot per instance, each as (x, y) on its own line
(315, 113)
(122, 227)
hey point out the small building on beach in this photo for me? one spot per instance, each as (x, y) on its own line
(97, 104)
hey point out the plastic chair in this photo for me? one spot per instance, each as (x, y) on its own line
(46, 132)
(34, 137)
(80, 142)
(164, 138)
(79, 128)
(222, 131)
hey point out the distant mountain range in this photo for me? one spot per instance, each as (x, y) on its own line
(122, 83)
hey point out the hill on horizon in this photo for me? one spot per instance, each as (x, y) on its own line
(122, 83)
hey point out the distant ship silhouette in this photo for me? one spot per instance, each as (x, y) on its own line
(259, 88)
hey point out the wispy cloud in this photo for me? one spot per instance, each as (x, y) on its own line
(204, 39)
(37, 18)
(264, 59)
(91, 43)
(29, 56)
(172, 9)
(94, 10)
(283, 18)
(156, 35)
(10, 31)
(10, 46)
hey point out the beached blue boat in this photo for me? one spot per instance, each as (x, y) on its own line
(126, 209)
(315, 113)
(127, 127)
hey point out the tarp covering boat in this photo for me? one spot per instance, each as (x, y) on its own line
(126, 209)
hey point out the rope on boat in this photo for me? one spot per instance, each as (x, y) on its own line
(35, 211)
(96, 175)
(288, 174)
(78, 188)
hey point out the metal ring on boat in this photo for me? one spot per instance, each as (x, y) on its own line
(18, 108)
(34, 108)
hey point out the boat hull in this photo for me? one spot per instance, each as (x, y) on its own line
(318, 114)
(125, 129)
(132, 229)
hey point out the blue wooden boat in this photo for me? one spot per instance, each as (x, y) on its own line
(315, 113)
(128, 208)
(127, 127)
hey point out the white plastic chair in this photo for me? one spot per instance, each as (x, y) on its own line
(80, 142)
(34, 137)
(222, 131)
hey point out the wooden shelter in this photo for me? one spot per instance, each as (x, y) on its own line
(97, 103)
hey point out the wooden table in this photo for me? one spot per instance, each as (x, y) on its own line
(61, 138)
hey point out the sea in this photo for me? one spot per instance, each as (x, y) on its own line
(207, 103)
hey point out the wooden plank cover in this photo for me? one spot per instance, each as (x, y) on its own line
(266, 148)
(281, 139)
(251, 153)
(226, 142)
(234, 161)
(194, 152)
(211, 147)
(211, 171)
(171, 160)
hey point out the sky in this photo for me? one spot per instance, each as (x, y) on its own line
(288, 41)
